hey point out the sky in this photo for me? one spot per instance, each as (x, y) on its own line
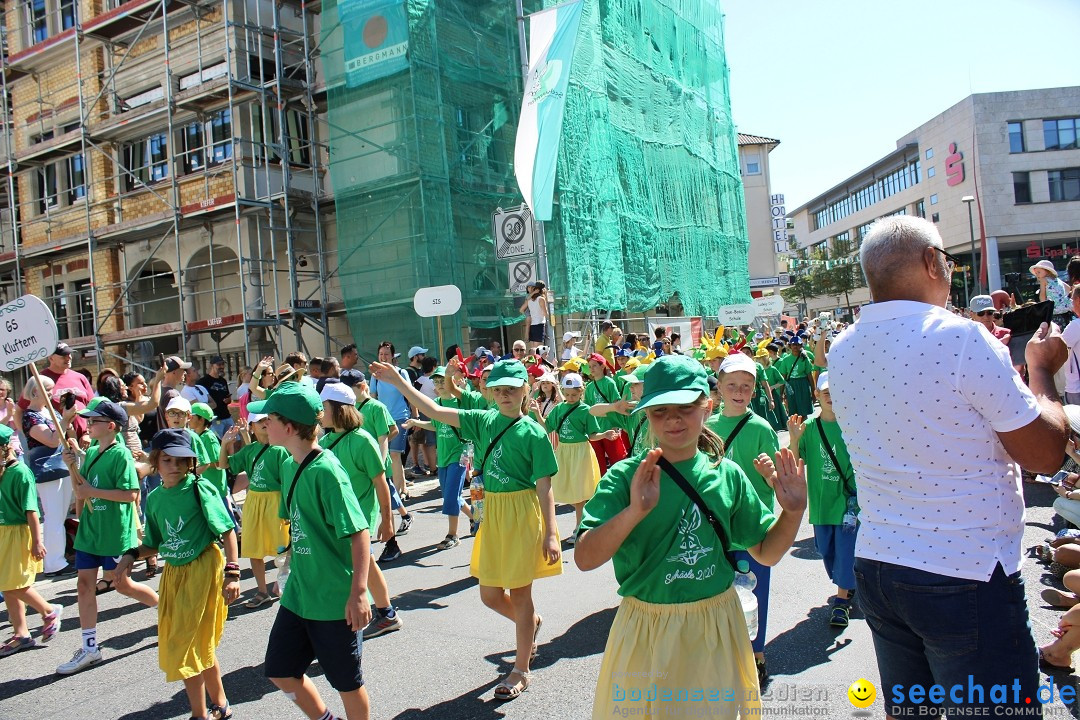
(838, 82)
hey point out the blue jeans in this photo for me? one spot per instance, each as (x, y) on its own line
(934, 629)
(395, 498)
(149, 483)
(763, 573)
(221, 426)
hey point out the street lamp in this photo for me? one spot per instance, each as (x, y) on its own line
(968, 200)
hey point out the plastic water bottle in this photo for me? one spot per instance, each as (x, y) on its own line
(745, 582)
(851, 515)
(476, 495)
(283, 561)
(466, 458)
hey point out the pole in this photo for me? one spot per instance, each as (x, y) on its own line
(438, 325)
(974, 261)
(62, 445)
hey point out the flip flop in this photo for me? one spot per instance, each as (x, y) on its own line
(1049, 667)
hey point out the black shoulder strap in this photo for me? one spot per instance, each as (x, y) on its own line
(566, 417)
(734, 433)
(362, 404)
(491, 447)
(832, 456)
(696, 498)
(85, 472)
(596, 384)
(637, 434)
(332, 445)
(259, 455)
(296, 478)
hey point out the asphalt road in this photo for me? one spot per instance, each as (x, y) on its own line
(452, 651)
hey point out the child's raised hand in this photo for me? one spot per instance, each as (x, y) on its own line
(787, 478)
(386, 373)
(796, 425)
(645, 485)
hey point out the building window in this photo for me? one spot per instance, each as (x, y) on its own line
(933, 199)
(296, 137)
(920, 208)
(147, 161)
(935, 217)
(47, 195)
(929, 153)
(1060, 134)
(58, 303)
(1016, 137)
(214, 137)
(220, 136)
(1064, 185)
(76, 178)
(84, 307)
(931, 172)
(895, 182)
(194, 155)
(37, 21)
(752, 164)
(69, 14)
(1021, 187)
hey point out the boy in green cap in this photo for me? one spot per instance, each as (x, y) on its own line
(201, 418)
(324, 608)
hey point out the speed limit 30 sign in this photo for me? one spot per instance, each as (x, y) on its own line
(513, 232)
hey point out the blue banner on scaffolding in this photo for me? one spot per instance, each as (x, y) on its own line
(376, 34)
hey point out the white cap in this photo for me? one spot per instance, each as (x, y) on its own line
(548, 377)
(1072, 412)
(179, 403)
(823, 381)
(338, 392)
(568, 336)
(738, 362)
(572, 381)
(256, 417)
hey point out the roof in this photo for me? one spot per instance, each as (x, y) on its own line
(756, 140)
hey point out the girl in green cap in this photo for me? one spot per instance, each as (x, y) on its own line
(669, 519)
(22, 550)
(518, 540)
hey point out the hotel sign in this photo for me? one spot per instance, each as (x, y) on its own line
(779, 225)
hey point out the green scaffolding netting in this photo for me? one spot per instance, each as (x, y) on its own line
(423, 99)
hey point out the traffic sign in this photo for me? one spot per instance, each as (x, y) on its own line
(522, 273)
(513, 232)
(437, 301)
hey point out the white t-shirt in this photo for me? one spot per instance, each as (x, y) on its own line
(570, 353)
(427, 385)
(921, 395)
(194, 394)
(1071, 336)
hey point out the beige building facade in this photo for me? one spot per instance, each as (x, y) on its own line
(767, 269)
(1014, 155)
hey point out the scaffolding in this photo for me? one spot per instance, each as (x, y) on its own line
(166, 183)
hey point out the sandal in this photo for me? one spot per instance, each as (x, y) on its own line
(505, 691)
(16, 644)
(151, 569)
(216, 712)
(1055, 597)
(539, 622)
(99, 590)
(258, 600)
(51, 625)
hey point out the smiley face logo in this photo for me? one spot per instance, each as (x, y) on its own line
(862, 693)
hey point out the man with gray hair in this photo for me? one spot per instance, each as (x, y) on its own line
(939, 551)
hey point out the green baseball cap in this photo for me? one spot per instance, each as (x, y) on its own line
(439, 371)
(508, 373)
(296, 402)
(201, 409)
(94, 403)
(5, 434)
(673, 380)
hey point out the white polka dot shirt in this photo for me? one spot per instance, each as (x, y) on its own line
(921, 395)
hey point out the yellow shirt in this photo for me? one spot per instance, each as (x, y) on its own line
(603, 347)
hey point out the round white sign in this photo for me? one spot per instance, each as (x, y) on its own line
(437, 301)
(30, 332)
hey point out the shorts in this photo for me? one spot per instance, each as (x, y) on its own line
(429, 438)
(452, 482)
(536, 332)
(295, 642)
(837, 548)
(87, 561)
(400, 442)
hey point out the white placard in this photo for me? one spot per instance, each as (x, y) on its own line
(437, 301)
(513, 233)
(769, 305)
(737, 314)
(30, 332)
(522, 273)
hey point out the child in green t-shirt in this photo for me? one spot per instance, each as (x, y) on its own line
(832, 494)
(672, 562)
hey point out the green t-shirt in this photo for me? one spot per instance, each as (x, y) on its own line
(212, 447)
(18, 495)
(673, 554)
(179, 524)
(110, 529)
(787, 365)
(523, 455)
(604, 391)
(824, 487)
(473, 400)
(358, 453)
(578, 427)
(377, 422)
(325, 515)
(265, 476)
(448, 439)
(756, 437)
(773, 376)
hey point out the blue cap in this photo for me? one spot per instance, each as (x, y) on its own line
(351, 377)
(173, 442)
(623, 352)
(110, 411)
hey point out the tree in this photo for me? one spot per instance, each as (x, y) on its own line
(845, 276)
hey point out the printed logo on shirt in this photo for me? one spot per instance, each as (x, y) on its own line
(257, 475)
(691, 550)
(96, 503)
(296, 532)
(828, 470)
(493, 472)
(173, 544)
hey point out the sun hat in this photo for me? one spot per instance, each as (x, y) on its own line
(632, 378)
(737, 362)
(572, 381)
(1072, 412)
(508, 373)
(548, 377)
(201, 409)
(980, 303)
(179, 403)
(673, 380)
(351, 377)
(293, 401)
(338, 392)
(823, 381)
(174, 442)
(439, 371)
(1045, 265)
(173, 363)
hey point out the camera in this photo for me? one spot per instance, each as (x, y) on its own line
(67, 399)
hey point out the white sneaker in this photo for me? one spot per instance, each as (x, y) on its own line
(79, 662)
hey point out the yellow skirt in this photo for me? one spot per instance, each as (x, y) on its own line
(191, 615)
(687, 658)
(17, 566)
(578, 475)
(264, 532)
(509, 548)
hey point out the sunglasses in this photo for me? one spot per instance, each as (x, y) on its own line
(951, 261)
(983, 313)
